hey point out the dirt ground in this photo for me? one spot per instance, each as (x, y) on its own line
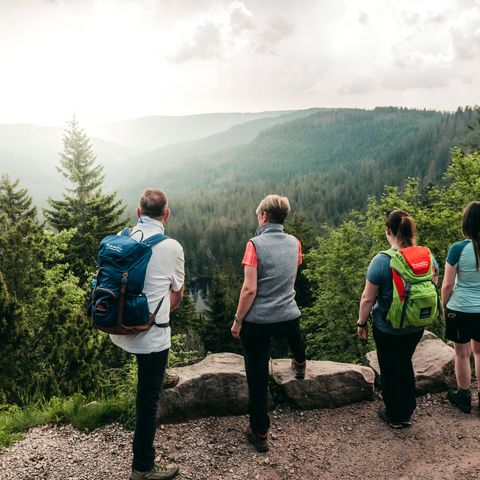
(346, 443)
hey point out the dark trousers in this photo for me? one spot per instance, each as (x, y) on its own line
(395, 354)
(256, 344)
(151, 370)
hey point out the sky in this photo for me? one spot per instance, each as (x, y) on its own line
(108, 60)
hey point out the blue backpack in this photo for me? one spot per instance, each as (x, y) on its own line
(117, 304)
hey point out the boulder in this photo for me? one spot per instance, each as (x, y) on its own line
(326, 384)
(215, 386)
(433, 364)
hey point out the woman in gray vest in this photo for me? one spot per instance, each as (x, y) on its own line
(267, 308)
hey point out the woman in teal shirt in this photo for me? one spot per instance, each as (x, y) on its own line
(461, 304)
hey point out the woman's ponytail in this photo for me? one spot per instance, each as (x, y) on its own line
(402, 226)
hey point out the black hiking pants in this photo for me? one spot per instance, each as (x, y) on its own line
(151, 371)
(256, 345)
(397, 378)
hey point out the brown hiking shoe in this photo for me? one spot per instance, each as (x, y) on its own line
(299, 369)
(259, 441)
(159, 472)
(170, 380)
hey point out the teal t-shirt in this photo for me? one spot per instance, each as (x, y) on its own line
(466, 292)
(380, 274)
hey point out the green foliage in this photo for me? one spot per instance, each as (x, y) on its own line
(222, 299)
(326, 163)
(337, 265)
(84, 207)
(187, 348)
(185, 317)
(21, 248)
(76, 410)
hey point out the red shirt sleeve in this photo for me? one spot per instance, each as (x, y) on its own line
(250, 257)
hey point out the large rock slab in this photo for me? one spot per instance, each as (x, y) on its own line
(433, 364)
(326, 384)
(215, 386)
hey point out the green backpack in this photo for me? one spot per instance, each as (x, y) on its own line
(415, 301)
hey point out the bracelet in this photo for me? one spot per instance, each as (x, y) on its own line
(362, 325)
(236, 319)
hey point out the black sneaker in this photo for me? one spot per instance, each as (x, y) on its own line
(461, 400)
(299, 369)
(382, 413)
(260, 442)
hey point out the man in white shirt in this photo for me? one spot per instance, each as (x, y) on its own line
(164, 279)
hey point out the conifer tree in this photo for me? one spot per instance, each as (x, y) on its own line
(185, 317)
(20, 239)
(84, 206)
(11, 343)
(221, 301)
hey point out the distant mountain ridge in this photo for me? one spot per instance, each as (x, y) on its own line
(152, 132)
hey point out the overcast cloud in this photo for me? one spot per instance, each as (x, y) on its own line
(114, 59)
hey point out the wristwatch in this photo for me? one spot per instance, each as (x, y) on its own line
(236, 319)
(362, 325)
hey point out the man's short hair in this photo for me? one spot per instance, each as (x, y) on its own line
(153, 202)
(276, 208)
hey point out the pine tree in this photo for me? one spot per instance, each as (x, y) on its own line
(221, 301)
(84, 206)
(12, 339)
(185, 317)
(21, 237)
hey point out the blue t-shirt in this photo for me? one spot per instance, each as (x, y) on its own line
(466, 292)
(380, 274)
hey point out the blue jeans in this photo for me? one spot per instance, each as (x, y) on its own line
(151, 371)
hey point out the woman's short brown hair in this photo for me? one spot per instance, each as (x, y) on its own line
(153, 202)
(276, 208)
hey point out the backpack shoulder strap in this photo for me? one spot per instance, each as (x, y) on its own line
(126, 232)
(154, 239)
(390, 253)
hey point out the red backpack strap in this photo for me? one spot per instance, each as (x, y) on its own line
(397, 281)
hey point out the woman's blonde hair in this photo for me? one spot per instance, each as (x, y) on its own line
(276, 208)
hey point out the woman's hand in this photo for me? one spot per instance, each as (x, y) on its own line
(236, 328)
(362, 332)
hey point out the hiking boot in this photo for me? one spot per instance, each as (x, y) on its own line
(258, 440)
(159, 472)
(407, 422)
(461, 399)
(170, 380)
(299, 369)
(382, 413)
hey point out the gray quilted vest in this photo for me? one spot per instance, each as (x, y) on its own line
(277, 255)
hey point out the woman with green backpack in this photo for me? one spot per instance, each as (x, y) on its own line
(400, 293)
(461, 304)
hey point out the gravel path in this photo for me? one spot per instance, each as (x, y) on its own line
(345, 443)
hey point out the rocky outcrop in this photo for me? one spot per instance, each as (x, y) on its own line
(215, 386)
(218, 386)
(433, 363)
(326, 384)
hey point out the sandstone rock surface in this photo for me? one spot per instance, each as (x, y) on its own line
(433, 364)
(326, 384)
(215, 386)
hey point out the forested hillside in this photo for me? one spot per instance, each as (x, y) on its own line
(342, 170)
(326, 163)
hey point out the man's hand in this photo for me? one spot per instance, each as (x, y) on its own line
(236, 328)
(362, 332)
